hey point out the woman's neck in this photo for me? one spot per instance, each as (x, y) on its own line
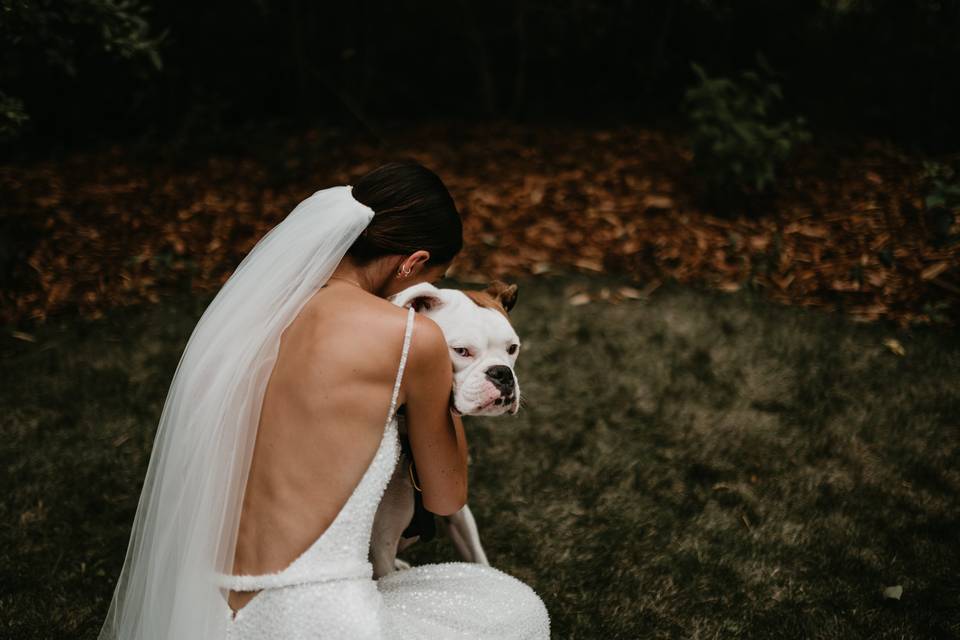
(367, 278)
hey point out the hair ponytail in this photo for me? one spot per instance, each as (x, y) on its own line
(412, 210)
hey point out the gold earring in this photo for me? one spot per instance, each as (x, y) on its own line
(403, 273)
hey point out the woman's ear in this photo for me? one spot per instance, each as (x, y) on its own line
(412, 263)
(420, 296)
(505, 294)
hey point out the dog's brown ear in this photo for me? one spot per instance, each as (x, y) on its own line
(505, 294)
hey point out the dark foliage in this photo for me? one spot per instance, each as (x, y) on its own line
(739, 141)
(875, 66)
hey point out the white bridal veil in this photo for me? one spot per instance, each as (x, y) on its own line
(184, 532)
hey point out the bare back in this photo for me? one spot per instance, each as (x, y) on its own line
(322, 420)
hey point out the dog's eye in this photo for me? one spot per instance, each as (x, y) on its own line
(462, 351)
(513, 349)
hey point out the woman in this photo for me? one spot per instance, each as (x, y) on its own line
(278, 438)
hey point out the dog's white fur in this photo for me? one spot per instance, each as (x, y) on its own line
(491, 341)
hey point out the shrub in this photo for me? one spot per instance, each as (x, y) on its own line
(50, 39)
(942, 201)
(12, 116)
(738, 140)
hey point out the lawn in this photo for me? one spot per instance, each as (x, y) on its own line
(691, 465)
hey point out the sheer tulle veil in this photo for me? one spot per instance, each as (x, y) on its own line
(184, 532)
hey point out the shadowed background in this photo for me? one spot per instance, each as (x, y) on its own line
(92, 68)
(736, 229)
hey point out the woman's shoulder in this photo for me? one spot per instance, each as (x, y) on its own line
(428, 345)
(386, 321)
(373, 319)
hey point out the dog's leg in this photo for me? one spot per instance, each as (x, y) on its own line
(393, 515)
(399, 564)
(462, 529)
(463, 550)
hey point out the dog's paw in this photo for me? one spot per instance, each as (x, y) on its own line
(400, 565)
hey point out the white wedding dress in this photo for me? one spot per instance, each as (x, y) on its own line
(329, 592)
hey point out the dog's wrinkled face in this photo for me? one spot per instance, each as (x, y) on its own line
(483, 345)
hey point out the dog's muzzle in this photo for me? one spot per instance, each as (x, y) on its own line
(502, 378)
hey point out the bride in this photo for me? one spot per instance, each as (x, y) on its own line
(279, 435)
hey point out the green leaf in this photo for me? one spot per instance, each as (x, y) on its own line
(935, 200)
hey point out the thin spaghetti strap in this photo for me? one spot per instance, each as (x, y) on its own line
(403, 362)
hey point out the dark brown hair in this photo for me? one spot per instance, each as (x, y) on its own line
(412, 210)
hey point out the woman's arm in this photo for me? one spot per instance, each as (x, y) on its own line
(436, 436)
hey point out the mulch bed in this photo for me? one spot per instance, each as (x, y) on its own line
(846, 232)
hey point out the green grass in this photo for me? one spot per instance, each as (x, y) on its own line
(696, 465)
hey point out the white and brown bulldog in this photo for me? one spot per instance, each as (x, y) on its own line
(483, 349)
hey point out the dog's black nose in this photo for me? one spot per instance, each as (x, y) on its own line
(501, 376)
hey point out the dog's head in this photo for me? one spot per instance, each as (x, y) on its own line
(483, 345)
